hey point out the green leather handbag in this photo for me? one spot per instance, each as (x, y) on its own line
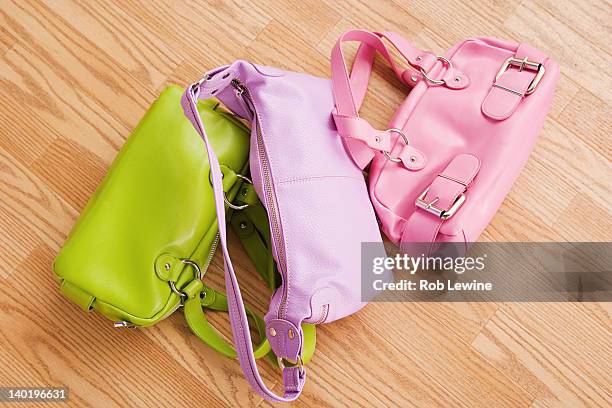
(143, 243)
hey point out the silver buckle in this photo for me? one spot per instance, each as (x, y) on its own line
(439, 212)
(522, 64)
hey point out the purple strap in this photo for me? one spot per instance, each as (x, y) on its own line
(293, 377)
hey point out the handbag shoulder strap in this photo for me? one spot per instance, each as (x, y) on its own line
(248, 223)
(293, 376)
(360, 138)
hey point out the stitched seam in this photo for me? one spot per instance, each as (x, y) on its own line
(307, 179)
(348, 84)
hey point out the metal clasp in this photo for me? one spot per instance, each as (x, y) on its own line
(299, 363)
(522, 64)
(438, 81)
(234, 206)
(124, 324)
(197, 275)
(439, 212)
(403, 135)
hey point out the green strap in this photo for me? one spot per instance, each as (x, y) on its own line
(251, 227)
(199, 297)
(246, 224)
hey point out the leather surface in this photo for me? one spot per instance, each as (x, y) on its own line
(312, 179)
(156, 199)
(443, 121)
(126, 208)
(503, 147)
(316, 201)
(447, 187)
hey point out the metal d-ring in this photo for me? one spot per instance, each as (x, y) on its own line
(234, 206)
(403, 135)
(299, 363)
(198, 275)
(437, 81)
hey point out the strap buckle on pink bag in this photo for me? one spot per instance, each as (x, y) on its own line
(522, 64)
(437, 211)
(512, 85)
(440, 201)
(446, 194)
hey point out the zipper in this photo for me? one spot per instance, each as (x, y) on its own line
(243, 92)
(213, 249)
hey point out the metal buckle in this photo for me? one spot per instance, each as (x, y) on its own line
(195, 86)
(437, 81)
(299, 363)
(522, 64)
(234, 206)
(439, 212)
(198, 275)
(403, 135)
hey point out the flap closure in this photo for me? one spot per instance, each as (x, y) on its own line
(445, 195)
(518, 77)
(285, 339)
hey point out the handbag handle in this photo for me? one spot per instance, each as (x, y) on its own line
(294, 377)
(360, 138)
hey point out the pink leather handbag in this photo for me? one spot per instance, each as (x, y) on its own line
(458, 141)
(317, 204)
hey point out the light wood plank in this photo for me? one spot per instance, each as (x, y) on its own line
(32, 215)
(56, 343)
(6, 40)
(538, 347)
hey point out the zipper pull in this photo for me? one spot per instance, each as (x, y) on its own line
(237, 85)
(123, 324)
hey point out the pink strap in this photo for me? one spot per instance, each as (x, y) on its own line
(423, 225)
(293, 377)
(506, 93)
(360, 139)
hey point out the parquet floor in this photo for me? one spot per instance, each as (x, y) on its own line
(77, 76)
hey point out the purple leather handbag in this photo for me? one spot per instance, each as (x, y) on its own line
(317, 204)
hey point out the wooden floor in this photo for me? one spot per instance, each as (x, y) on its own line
(76, 77)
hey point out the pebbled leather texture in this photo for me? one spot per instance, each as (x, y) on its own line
(465, 114)
(312, 178)
(316, 199)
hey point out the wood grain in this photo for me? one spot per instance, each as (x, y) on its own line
(76, 77)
